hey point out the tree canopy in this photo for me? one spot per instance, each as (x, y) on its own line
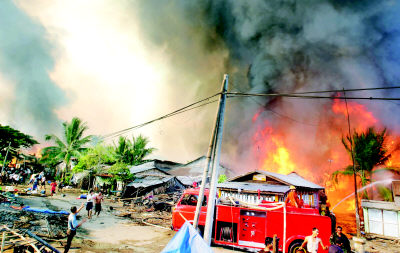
(15, 138)
(132, 152)
(369, 149)
(71, 144)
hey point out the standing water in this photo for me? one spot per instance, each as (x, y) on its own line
(386, 181)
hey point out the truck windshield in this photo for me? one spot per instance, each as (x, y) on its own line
(191, 200)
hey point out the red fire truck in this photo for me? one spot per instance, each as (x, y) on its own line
(247, 227)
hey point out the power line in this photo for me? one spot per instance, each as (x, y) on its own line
(348, 90)
(279, 114)
(181, 110)
(242, 94)
(237, 94)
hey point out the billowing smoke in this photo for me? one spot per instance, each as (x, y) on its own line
(283, 46)
(25, 62)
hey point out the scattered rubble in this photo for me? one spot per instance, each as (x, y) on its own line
(153, 210)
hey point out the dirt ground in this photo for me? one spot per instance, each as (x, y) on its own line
(111, 233)
(108, 232)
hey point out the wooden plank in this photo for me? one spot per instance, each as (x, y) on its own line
(2, 242)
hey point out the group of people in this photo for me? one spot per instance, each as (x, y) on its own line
(15, 176)
(339, 243)
(93, 200)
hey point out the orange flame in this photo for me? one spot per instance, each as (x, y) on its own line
(315, 155)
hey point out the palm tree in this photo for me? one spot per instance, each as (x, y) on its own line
(72, 143)
(132, 152)
(369, 151)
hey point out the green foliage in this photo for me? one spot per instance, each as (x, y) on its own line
(72, 144)
(385, 192)
(93, 157)
(132, 152)
(121, 172)
(369, 151)
(222, 178)
(16, 138)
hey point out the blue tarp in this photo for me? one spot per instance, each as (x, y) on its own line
(44, 211)
(187, 240)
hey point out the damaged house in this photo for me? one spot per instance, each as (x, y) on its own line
(150, 180)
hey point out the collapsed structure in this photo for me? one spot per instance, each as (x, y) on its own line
(157, 176)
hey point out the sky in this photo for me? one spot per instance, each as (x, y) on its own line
(89, 59)
(119, 63)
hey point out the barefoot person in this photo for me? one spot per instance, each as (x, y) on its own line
(73, 225)
(89, 204)
(313, 241)
(97, 203)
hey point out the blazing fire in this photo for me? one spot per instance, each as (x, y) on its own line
(315, 155)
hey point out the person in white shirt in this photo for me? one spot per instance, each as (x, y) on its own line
(313, 242)
(73, 225)
(89, 203)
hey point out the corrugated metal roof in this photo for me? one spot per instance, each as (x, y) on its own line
(143, 167)
(293, 179)
(290, 179)
(254, 187)
(150, 182)
(188, 181)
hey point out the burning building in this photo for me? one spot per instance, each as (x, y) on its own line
(258, 185)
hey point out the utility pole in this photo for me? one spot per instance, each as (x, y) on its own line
(5, 158)
(354, 169)
(210, 157)
(214, 174)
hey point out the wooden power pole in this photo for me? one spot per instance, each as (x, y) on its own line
(354, 170)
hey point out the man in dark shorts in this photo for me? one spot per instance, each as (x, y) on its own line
(89, 203)
(97, 206)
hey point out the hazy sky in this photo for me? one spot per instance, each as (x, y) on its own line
(60, 59)
(119, 63)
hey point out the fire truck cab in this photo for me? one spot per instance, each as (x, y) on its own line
(247, 227)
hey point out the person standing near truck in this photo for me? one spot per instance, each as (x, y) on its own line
(313, 242)
(340, 240)
(292, 199)
(268, 246)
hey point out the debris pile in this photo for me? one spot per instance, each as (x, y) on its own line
(42, 224)
(23, 241)
(152, 210)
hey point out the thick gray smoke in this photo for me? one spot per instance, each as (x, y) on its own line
(25, 61)
(283, 46)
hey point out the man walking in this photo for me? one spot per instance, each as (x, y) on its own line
(313, 242)
(73, 225)
(97, 203)
(89, 203)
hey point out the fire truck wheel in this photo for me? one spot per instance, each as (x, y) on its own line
(294, 247)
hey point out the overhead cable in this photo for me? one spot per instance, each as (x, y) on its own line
(181, 110)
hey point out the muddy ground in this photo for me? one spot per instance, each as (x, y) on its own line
(111, 233)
